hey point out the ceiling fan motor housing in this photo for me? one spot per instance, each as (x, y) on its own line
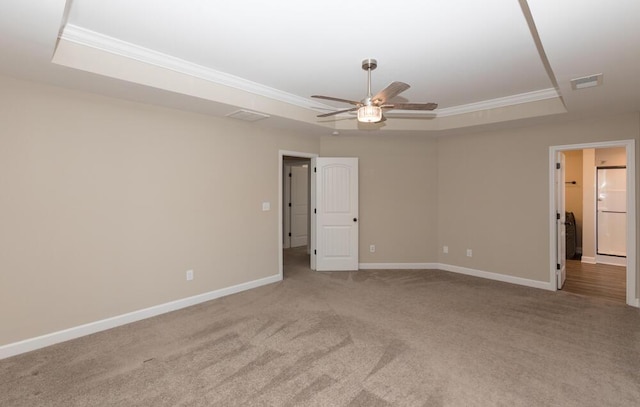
(369, 64)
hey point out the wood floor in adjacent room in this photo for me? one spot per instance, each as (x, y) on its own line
(596, 280)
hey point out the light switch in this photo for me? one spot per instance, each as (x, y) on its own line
(266, 206)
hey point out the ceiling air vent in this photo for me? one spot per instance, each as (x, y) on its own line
(586, 82)
(248, 116)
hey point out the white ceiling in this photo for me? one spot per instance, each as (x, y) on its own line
(495, 62)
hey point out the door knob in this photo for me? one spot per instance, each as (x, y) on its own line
(355, 219)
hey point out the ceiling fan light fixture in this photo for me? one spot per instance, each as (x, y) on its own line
(369, 114)
(369, 109)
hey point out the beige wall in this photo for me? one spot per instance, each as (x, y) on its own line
(615, 156)
(105, 204)
(493, 193)
(573, 192)
(398, 195)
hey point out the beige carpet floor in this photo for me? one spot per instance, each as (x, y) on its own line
(366, 338)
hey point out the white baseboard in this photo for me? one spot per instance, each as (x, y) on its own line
(588, 260)
(30, 344)
(611, 260)
(545, 285)
(397, 266)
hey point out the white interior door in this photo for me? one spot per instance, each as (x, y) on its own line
(299, 205)
(561, 255)
(334, 226)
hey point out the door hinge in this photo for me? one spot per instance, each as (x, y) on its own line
(315, 210)
(289, 175)
(314, 252)
(557, 216)
(314, 169)
(289, 234)
(557, 166)
(557, 266)
(289, 204)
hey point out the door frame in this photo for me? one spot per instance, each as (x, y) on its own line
(632, 272)
(286, 211)
(559, 215)
(281, 155)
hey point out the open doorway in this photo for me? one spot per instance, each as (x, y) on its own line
(599, 220)
(595, 212)
(294, 208)
(332, 213)
(296, 197)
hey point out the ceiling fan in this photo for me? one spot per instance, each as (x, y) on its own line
(370, 108)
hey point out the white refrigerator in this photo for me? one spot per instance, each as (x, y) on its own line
(612, 211)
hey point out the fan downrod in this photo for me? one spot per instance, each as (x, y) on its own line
(369, 64)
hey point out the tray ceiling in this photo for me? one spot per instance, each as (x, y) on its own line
(482, 62)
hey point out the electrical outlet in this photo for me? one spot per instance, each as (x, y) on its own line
(469, 253)
(189, 275)
(445, 249)
(372, 248)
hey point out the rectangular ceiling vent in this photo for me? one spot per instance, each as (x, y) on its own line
(586, 82)
(248, 116)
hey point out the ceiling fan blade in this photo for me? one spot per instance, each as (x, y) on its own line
(352, 102)
(353, 109)
(391, 91)
(411, 106)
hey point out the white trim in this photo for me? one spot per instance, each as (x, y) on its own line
(498, 277)
(534, 96)
(588, 260)
(553, 252)
(633, 298)
(611, 260)
(632, 272)
(528, 97)
(460, 270)
(82, 36)
(398, 266)
(281, 154)
(105, 43)
(286, 210)
(38, 342)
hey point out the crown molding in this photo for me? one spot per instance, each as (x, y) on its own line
(82, 36)
(527, 97)
(89, 38)
(506, 101)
